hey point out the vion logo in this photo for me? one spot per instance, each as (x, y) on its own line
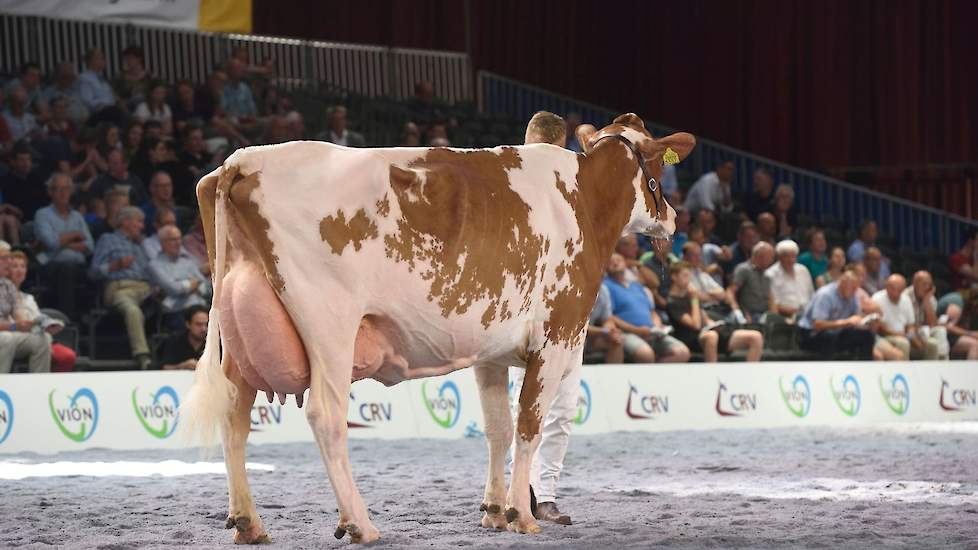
(951, 399)
(583, 403)
(76, 415)
(265, 415)
(6, 415)
(158, 413)
(734, 404)
(369, 412)
(445, 405)
(897, 395)
(797, 396)
(848, 397)
(642, 406)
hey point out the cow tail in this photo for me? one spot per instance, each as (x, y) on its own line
(206, 412)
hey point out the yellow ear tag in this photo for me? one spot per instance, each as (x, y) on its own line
(670, 156)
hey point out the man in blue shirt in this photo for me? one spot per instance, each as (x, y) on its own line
(832, 321)
(120, 260)
(66, 242)
(96, 92)
(634, 312)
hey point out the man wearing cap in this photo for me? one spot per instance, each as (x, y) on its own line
(791, 283)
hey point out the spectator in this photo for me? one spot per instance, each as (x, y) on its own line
(749, 292)
(761, 197)
(276, 130)
(546, 127)
(867, 237)
(713, 190)
(422, 107)
(681, 235)
(697, 330)
(296, 124)
(571, 122)
(133, 140)
(183, 350)
(602, 331)
(134, 83)
(196, 246)
(154, 107)
(194, 157)
(63, 358)
(832, 323)
(19, 121)
(65, 243)
(95, 91)
(645, 340)
(898, 325)
(767, 228)
(160, 197)
(791, 283)
(336, 131)
(103, 220)
(740, 251)
(65, 87)
(29, 78)
(155, 156)
(784, 211)
(108, 139)
(119, 177)
(707, 220)
(187, 108)
(709, 292)
(712, 254)
(265, 70)
(436, 131)
(670, 184)
(162, 217)
(17, 339)
(876, 270)
(410, 135)
(23, 186)
(961, 341)
(964, 262)
(176, 272)
(814, 259)
(236, 98)
(59, 125)
(120, 260)
(208, 101)
(837, 264)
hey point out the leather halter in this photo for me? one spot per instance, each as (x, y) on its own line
(649, 180)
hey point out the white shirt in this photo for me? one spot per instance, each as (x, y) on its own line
(707, 194)
(790, 290)
(704, 282)
(896, 316)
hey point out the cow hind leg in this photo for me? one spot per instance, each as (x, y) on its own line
(329, 394)
(493, 382)
(543, 374)
(242, 513)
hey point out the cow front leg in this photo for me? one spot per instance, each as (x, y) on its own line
(242, 513)
(493, 382)
(543, 373)
(329, 394)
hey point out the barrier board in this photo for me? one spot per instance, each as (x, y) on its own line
(47, 413)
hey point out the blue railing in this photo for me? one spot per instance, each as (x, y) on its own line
(821, 197)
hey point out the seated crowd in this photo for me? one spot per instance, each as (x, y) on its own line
(98, 210)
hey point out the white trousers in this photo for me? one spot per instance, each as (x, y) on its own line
(549, 458)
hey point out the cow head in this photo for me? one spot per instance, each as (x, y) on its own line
(652, 214)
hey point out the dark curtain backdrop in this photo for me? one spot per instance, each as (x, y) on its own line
(814, 83)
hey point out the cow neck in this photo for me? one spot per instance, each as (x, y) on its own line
(607, 197)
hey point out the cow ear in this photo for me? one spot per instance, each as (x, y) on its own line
(674, 148)
(584, 133)
(632, 120)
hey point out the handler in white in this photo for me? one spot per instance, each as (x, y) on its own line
(547, 127)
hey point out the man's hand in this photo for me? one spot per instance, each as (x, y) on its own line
(189, 364)
(54, 329)
(615, 335)
(24, 326)
(853, 321)
(194, 285)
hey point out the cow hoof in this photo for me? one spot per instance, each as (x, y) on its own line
(247, 532)
(518, 524)
(357, 535)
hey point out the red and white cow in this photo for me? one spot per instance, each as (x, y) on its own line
(334, 264)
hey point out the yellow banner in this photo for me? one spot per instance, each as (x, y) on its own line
(225, 16)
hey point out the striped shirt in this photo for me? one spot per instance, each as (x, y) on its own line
(113, 246)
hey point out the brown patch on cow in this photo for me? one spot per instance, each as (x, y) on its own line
(206, 199)
(529, 419)
(602, 204)
(458, 215)
(383, 206)
(254, 225)
(336, 231)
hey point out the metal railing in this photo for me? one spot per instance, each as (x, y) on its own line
(174, 54)
(824, 198)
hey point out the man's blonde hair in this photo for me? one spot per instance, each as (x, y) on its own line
(546, 127)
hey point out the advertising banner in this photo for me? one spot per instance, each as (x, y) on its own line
(203, 15)
(48, 413)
